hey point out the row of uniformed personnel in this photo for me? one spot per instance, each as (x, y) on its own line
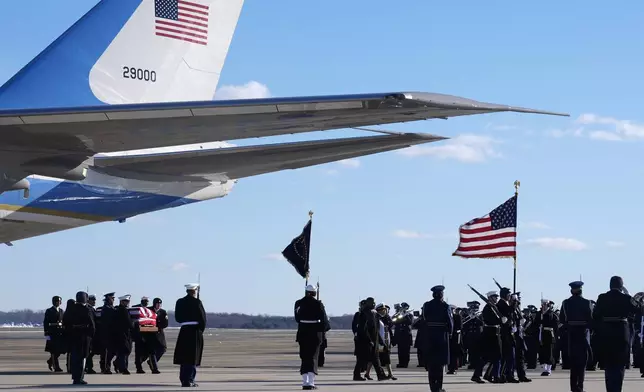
(82, 331)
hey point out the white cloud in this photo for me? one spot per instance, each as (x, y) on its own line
(179, 266)
(534, 225)
(410, 234)
(353, 162)
(274, 256)
(558, 243)
(615, 244)
(464, 148)
(249, 90)
(598, 127)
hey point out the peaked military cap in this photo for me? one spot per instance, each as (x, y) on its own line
(576, 284)
(112, 294)
(438, 289)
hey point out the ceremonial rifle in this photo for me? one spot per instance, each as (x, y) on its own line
(497, 284)
(487, 301)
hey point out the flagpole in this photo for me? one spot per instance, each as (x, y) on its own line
(308, 251)
(517, 184)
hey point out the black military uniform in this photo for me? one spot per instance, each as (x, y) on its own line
(160, 344)
(439, 324)
(419, 326)
(576, 316)
(123, 329)
(548, 323)
(188, 351)
(507, 336)
(531, 336)
(89, 362)
(611, 322)
(519, 338)
(311, 319)
(472, 329)
(490, 342)
(80, 328)
(402, 335)
(141, 346)
(54, 334)
(106, 333)
(455, 344)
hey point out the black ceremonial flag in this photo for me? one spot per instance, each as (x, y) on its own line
(297, 252)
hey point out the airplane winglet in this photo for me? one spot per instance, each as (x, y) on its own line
(517, 109)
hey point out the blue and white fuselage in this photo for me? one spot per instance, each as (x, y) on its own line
(115, 118)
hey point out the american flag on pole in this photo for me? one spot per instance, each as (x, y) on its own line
(491, 236)
(182, 20)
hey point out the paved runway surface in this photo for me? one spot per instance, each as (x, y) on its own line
(248, 360)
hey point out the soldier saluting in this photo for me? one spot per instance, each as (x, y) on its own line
(311, 321)
(610, 315)
(577, 316)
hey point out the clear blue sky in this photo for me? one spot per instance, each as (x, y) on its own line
(580, 200)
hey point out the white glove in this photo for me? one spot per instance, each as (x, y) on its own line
(504, 319)
(514, 329)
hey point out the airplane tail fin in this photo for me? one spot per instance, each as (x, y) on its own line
(130, 51)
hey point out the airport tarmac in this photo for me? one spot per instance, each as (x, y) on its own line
(252, 360)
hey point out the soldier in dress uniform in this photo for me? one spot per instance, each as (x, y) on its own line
(611, 320)
(472, 329)
(532, 336)
(310, 316)
(122, 332)
(418, 325)
(106, 334)
(161, 344)
(519, 337)
(548, 325)
(490, 342)
(402, 335)
(188, 351)
(455, 347)
(54, 334)
(576, 316)
(439, 324)
(593, 355)
(507, 336)
(89, 363)
(140, 346)
(80, 328)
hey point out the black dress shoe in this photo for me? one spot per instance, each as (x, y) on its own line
(477, 380)
(525, 379)
(81, 382)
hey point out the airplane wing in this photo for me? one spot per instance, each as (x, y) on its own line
(238, 162)
(89, 130)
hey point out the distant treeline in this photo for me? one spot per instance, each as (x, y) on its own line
(215, 320)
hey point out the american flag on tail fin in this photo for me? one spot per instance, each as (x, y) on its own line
(491, 236)
(182, 20)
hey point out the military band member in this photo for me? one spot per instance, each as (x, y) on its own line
(610, 316)
(79, 328)
(418, 325)
(439, 324)
(455, 348)
(54, 334)
(548, 325)
(472, 330)
(402, 335)
(577, 317)
(490, 342)
(123, 328)
(188, 351)
(310, 316)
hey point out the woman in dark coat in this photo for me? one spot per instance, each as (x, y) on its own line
(68, 343)
(54, 333)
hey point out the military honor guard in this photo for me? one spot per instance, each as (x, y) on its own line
(520, 346)
(310, 316)
(122, 331)
(610, 316)
(439, 327)
(54, 334)
(577, 316)
(188, 352)
(106, 326)
(79, 329)
(490, 342)
(548, 325)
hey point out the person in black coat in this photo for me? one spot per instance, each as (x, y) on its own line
(69, 305)
(122, 334)
(439, 326)
(188, 351)
(104, 334)
(610, 317)
(162, 323)
(89, 363)
(79, 328)
(576, 317)
(54, 334)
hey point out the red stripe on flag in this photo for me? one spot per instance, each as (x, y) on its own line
(193, 4)
(181, 38)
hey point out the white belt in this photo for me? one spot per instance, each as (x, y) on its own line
(189, 323)
(309, 321)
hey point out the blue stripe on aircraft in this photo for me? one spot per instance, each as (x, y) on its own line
(77, 198)
(59, 76)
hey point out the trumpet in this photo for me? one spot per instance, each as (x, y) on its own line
(400, 315)
(471, 316)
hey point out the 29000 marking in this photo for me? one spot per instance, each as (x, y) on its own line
(139, 74)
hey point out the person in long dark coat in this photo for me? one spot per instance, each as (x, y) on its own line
(122, 335)
(548, 325)
(80, 328)
(70, 303)
(188, 351)
(160, 342)
(577, 317)
(403, 338)
(360, 366)
(89, 363)
(610, 317)
(105, 334)
(54, 334)
(439, 324)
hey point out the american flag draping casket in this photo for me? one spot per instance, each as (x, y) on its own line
(145, 318)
